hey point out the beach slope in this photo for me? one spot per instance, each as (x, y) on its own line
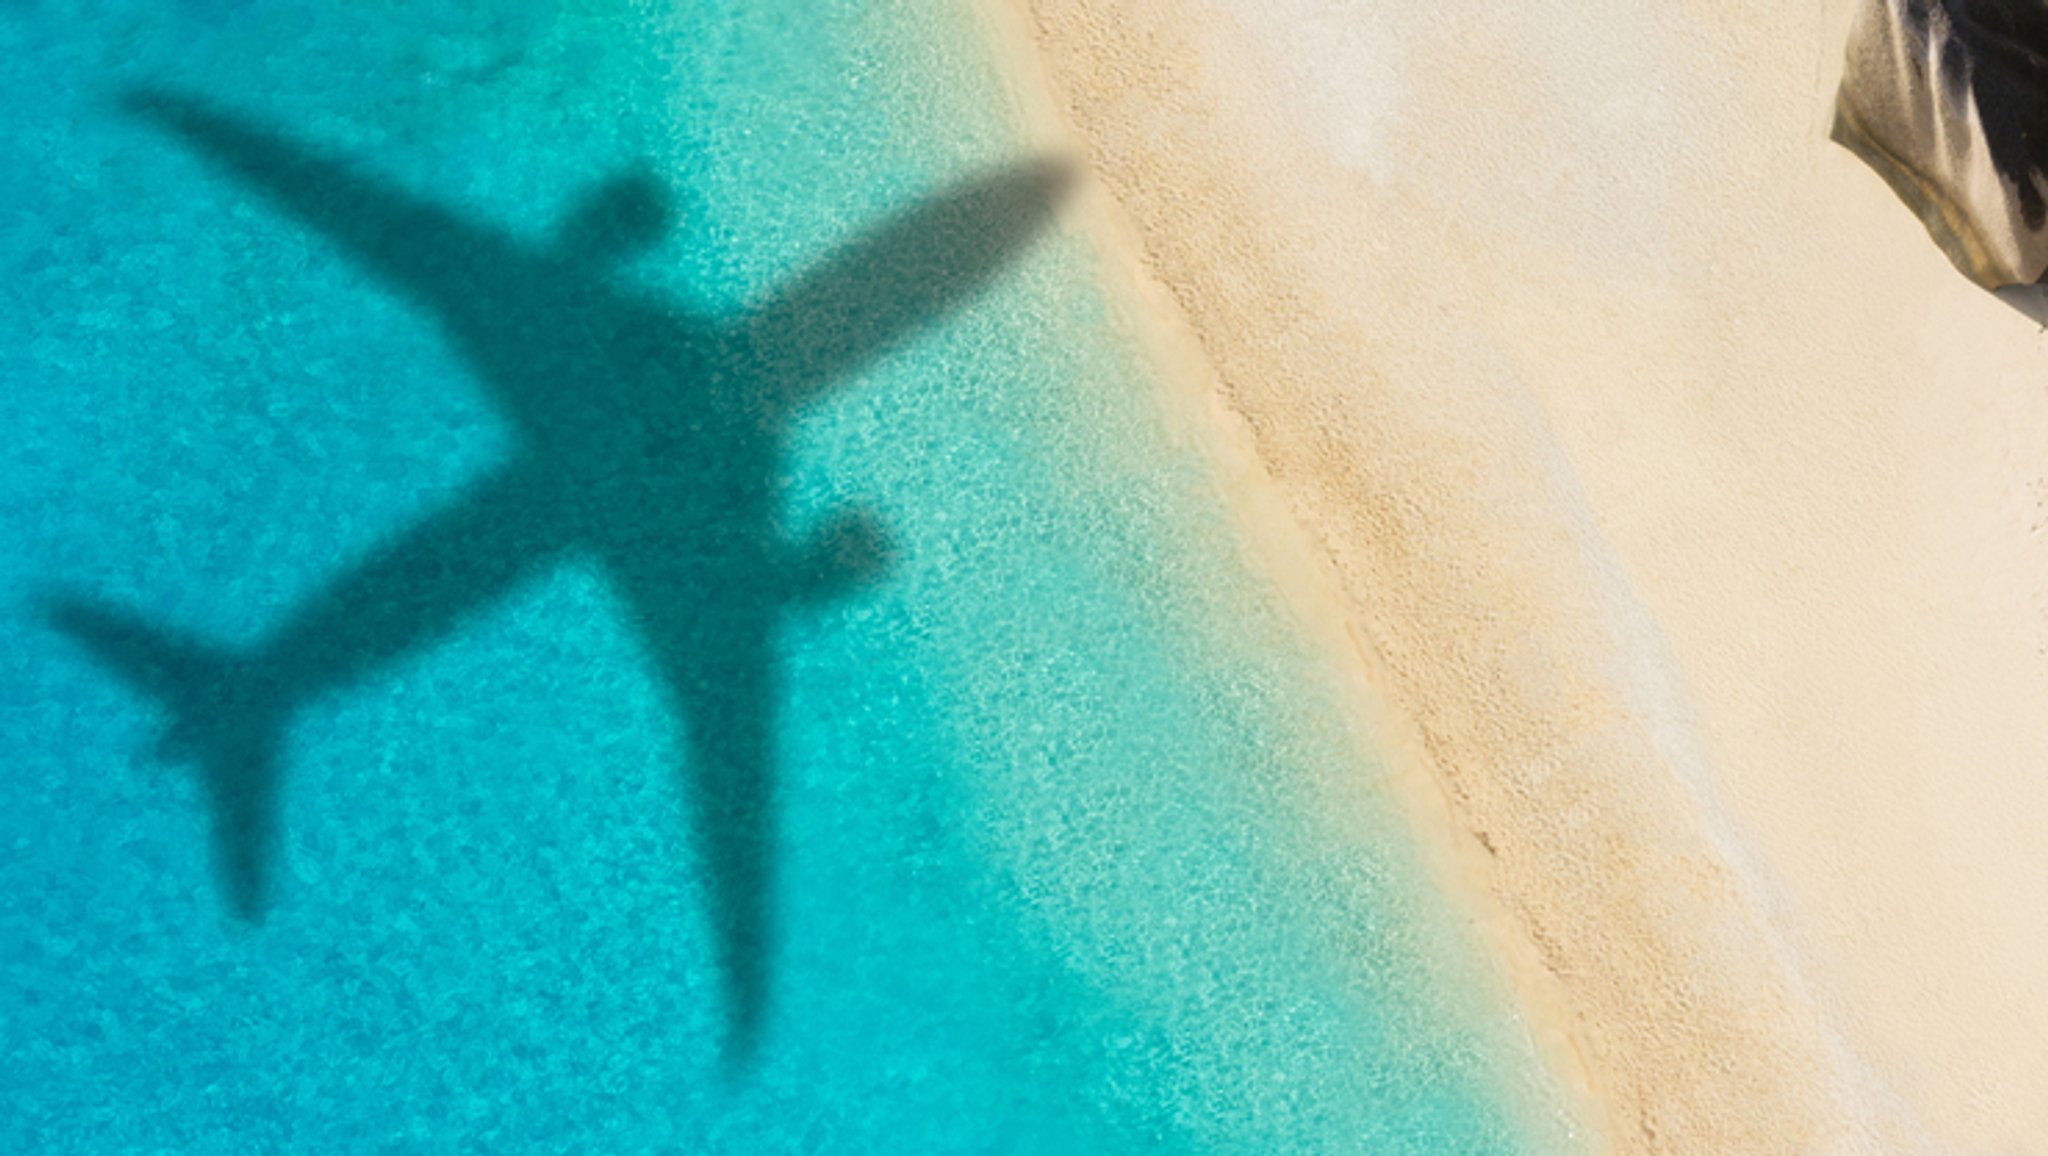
(1683, 500)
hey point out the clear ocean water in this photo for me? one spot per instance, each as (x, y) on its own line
(1037, 846)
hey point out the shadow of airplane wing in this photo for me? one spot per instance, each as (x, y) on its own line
(714, 651)
(392, 234)
(878, 291)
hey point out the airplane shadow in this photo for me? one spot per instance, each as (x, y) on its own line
(647, 439)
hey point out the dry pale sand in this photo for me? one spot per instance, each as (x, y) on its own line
(1685, 502)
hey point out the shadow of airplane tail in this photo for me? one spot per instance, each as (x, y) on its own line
(218, 721)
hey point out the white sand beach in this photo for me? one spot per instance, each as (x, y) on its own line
(1689, 509)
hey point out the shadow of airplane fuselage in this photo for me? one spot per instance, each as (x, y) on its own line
(647, 439)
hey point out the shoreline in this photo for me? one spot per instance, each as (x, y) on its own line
(1462, 849)
(1493, 440)
(1280, 549)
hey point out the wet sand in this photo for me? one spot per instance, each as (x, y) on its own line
(1680, 505)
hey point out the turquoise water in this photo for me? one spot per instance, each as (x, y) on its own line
(1043, 853)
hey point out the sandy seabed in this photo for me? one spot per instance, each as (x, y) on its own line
(1686, 508)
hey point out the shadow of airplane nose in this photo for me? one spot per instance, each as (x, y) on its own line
(1008, 205)
(921, 264)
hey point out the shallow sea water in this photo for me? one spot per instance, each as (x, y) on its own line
(1053, 864)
